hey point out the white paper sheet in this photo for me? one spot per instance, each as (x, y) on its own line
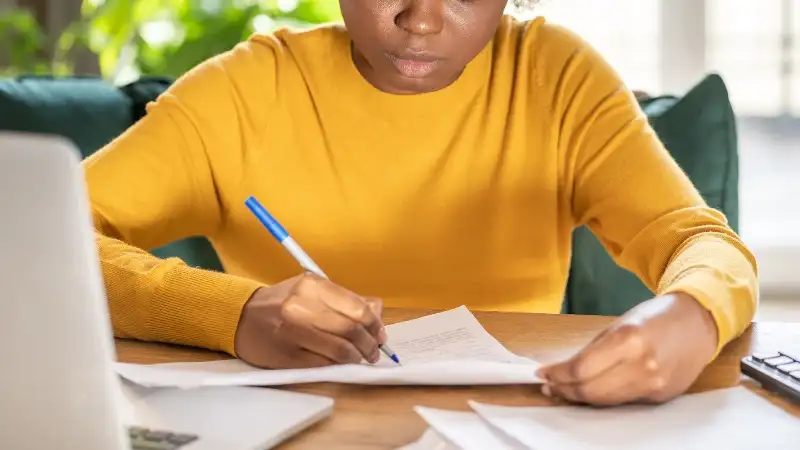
(466, 430)
(430, 440)
(731, 419)
(447, 348)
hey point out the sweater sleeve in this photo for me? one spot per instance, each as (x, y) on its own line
(626, 187)
(160, 182)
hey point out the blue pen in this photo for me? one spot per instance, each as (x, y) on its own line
(291, 246)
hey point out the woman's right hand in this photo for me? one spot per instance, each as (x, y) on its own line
(308, 321)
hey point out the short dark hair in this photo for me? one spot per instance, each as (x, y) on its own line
(524, 4)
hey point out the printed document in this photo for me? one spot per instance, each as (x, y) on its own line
(447, 348)
(733, 419)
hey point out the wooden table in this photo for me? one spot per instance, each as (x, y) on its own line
(370, 417)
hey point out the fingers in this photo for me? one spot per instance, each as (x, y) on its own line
(620, 384)
(297, 358)
(618, 367)
(376, 305)
(256, 344)
(328, 348)
(348, 304)
(335, 335)
(610, 349)
(307, 359)
(346, 326)
(631, 381)
(302, 358)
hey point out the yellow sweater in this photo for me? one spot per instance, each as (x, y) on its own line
(467, 195)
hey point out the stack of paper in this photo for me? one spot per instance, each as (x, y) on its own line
(430, 440)
(733, 419)
(466, 430)
(447, 348)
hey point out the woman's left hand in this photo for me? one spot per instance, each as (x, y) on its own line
(652, 354)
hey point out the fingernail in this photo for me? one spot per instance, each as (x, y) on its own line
(382, 336)
(375, 357)
(546, 391)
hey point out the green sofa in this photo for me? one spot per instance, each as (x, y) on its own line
(698, 128)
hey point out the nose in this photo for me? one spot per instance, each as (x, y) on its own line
(421, 17)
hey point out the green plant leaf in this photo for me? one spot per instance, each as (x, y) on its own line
(114, 28)
(23, 41)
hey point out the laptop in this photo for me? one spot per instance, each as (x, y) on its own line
(58, 389)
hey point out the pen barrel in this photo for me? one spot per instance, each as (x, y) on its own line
(302, 258)
(388, 352)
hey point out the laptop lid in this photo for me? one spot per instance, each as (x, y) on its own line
(57, 386)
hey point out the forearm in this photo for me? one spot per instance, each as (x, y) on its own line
(721, 274)
(165, 300)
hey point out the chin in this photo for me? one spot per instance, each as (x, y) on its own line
(409, 85)
(417, 86)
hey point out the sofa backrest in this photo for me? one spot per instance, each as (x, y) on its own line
(88, 111)
(91, 113)
(699, 130)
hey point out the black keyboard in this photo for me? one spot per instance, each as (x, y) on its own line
(149, 439)
(777, 372)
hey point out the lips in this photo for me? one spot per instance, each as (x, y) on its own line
(414, 65)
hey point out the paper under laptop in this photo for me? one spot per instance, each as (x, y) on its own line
(731, 419)
(447, 348)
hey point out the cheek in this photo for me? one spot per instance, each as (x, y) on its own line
(370, 20)
(472, 26)
(460, 15)
(473, 19)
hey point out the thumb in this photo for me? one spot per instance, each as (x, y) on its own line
(597, 357)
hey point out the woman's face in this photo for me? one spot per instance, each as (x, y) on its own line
(415, 46)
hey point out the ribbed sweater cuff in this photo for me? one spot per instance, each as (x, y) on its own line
(715, 297)
(198, 308)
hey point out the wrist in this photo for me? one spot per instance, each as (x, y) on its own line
(692, 312)
(261, 304)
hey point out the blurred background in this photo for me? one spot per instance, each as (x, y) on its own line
(658, 46)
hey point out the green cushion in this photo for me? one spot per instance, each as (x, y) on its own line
(143, 91)
(87, 111)
(195, 251)
(699, 130)
(90, 112)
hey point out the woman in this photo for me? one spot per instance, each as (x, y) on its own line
(434, 153)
